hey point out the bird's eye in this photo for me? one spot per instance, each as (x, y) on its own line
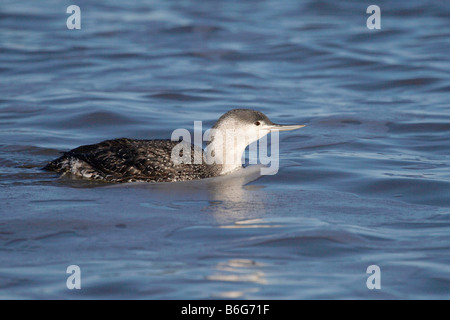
(257, 123)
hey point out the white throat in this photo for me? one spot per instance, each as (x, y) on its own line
(227, 146)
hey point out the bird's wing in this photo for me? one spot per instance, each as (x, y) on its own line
(135, 160)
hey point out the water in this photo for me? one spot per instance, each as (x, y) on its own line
(367, 182)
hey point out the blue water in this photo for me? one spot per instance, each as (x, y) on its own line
(367, 182)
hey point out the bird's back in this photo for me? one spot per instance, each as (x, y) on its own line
(127, 160)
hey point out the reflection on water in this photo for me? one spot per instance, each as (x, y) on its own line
(225, 198)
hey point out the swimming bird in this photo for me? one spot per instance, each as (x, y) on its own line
(127, 160)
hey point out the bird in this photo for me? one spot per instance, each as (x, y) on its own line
(129, 160)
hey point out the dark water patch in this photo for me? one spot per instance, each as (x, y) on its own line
(413, 82)
(89, 119)
(193, 29)
(121, 56)
(71, 100)
(177, 97)
(414, 128)
(352, 122)
(27, 149)
(25, 17)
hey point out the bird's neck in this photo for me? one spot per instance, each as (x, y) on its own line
(225, 149)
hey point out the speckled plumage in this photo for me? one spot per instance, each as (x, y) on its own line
(127, 160)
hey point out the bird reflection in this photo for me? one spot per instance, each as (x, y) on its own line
(228, 198)
(248, 273)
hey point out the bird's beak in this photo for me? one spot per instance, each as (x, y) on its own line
(284, 127)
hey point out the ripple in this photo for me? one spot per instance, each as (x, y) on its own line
(177, 97)
(418, 127)
(193, 28)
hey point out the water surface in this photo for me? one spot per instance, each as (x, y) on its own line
(367, 182)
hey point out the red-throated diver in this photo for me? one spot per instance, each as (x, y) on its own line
(127, 160)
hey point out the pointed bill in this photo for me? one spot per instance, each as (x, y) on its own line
(285, 127)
